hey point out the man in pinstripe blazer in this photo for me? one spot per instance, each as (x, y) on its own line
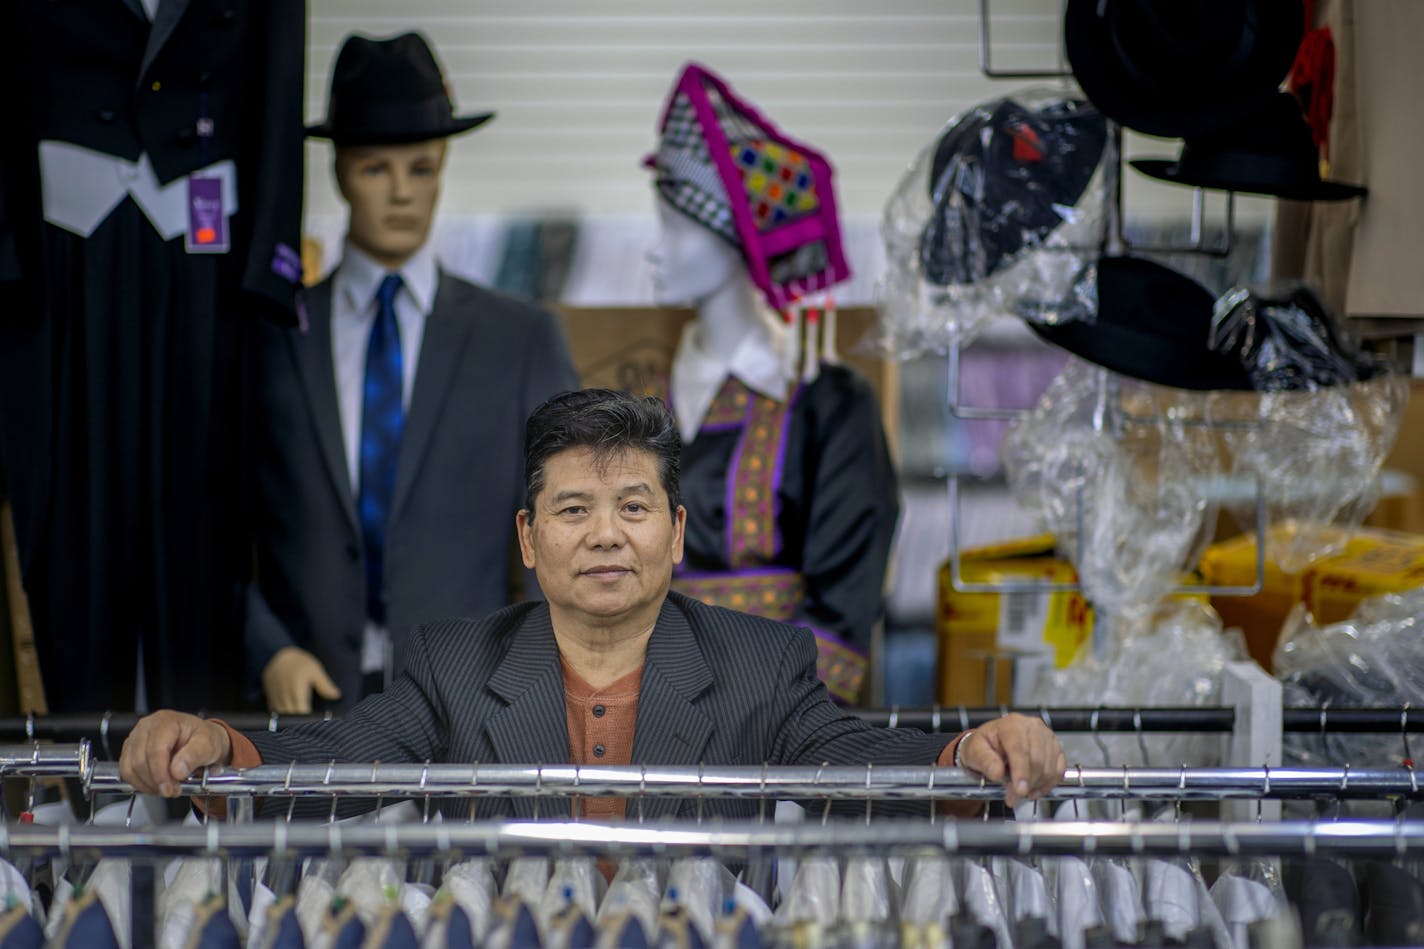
(613, 668)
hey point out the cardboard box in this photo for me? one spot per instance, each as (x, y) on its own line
(1020, 633)
(1373, 562)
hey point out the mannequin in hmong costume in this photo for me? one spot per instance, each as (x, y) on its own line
(787, 480)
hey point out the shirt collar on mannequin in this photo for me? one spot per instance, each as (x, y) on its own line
(697, 375)
(360, 275)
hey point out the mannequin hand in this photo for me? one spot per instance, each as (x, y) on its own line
(289, 679)
(166, 747)
(1019, 751)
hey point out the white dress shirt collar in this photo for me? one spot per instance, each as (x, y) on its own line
(359, 276)
(759, 361)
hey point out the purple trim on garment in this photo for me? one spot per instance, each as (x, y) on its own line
(778, 470)
(721, 427)
(746, 572)
(287, 264)
(730, 497)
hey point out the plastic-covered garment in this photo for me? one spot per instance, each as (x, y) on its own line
(1076, 893)
(280, 929)
(1173, 658)
(513, 925)
(470, 884)
(19, 929)
(1328, 899)
(1025, 891)
(928, 893)
(634, 891)
(1248, 895)
(213, 927)
(981, 901)
(315, 893)
(371, 884)
(814, 894)
(85, 924)
(570, 928)
(111, 881)
(340, 928)
(526, 879)
(925, 935)
(1170, 897)
(1120, 896)
(701, 886)
(193, 880)
(622, 931)
(575, 881)
(677, 930)
(737, 929)
(1376, 658)
(866, 890)
(1116, 471)
(1007, 200)
(448, 926)
(1395, 906)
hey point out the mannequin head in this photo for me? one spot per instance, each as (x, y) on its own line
(690, 263)
(392, 191)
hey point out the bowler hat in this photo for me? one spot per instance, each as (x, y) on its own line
(1153, 324)
(390, 91)
(1180, 68)
(1271, 152)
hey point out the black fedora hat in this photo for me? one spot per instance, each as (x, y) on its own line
(1153, 324)
(1003, 177)
(390, 91)
(1179, 68)
(1271, 152)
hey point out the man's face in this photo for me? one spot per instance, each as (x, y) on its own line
(602, 541)
(392, 190)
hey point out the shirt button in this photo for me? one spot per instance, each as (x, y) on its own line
(598, 751)
(106, 115)
(598, 711)
(156, 85)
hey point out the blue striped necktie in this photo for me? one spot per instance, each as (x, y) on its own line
(382, 419)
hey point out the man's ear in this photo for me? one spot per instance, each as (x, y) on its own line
(340, 162)
(524, 527)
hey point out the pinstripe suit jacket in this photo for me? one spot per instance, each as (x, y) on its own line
(719, 688)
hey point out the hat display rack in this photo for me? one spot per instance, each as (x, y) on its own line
(1117, 416)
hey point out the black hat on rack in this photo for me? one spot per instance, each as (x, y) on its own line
(1270, 152)
(1002, 179)
(1153, 324)
(1180, 68)
(388, 92)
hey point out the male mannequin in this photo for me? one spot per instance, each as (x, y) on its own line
(790, 493)
(387, 480)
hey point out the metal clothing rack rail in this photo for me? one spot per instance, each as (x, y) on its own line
(106, 731)
(745, 840)
(37, 760)
(839, 783)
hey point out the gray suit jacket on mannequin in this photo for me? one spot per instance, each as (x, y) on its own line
(719, 688)
(485, 363)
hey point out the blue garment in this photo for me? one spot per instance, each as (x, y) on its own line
(631, 934)
(213, 927)
(382, 421)
(284, 930)
(393, 931)
(459, 934)
(348, 932)
(20, 930)
(86, 925)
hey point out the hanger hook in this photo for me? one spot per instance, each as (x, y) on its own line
(272, 723)
(379, 795)
(761, 794)
(934, 718)
(133, 799)
(1098, 738)
(868, 800)
(425, 809)
(701, 793)
(963, 719)
(326, 782)
(642, 789)
(1141, 739)
(291, 799)
(894, 716)
(929, 790)
(474, 783)
(1404, 736)
(104, 736)
(1083, 789)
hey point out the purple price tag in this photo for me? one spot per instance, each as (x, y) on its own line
(207, 218)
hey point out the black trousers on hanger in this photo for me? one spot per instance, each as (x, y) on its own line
(123, 431)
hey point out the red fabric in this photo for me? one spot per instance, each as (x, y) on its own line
(1312, 80)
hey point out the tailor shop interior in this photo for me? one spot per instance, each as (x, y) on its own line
(1057, 362)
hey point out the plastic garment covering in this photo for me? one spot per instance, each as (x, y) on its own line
(193, 879)
(16, 895)
(1025, 891)
(1116, 470)
(448, 926)
(927, 894)
(1007, 202)
(634, 892)
(213, 927)
(1375, 658)
(676, 929)
(1120, 895)
(622, 931)
(979, 896)
(470, 884)
(701, 886)
(280, 928)
(814, 893)
(315, 893)
(737, 929)
(526, 879)
(1319, 428)
(1328, 898)
(570, 928)
(866, 890)
(573, 881)
(392, 929)
(1173, 657)
(1076, 893)
(340, 928)
(513, 925)
(1170, 896)
(1245, 895)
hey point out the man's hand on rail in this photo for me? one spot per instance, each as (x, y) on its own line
(1019, 751)
(166, 747)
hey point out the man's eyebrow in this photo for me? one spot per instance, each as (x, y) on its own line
(637, 487)
(563, 496)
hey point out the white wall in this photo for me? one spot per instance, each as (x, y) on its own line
(579, 84)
